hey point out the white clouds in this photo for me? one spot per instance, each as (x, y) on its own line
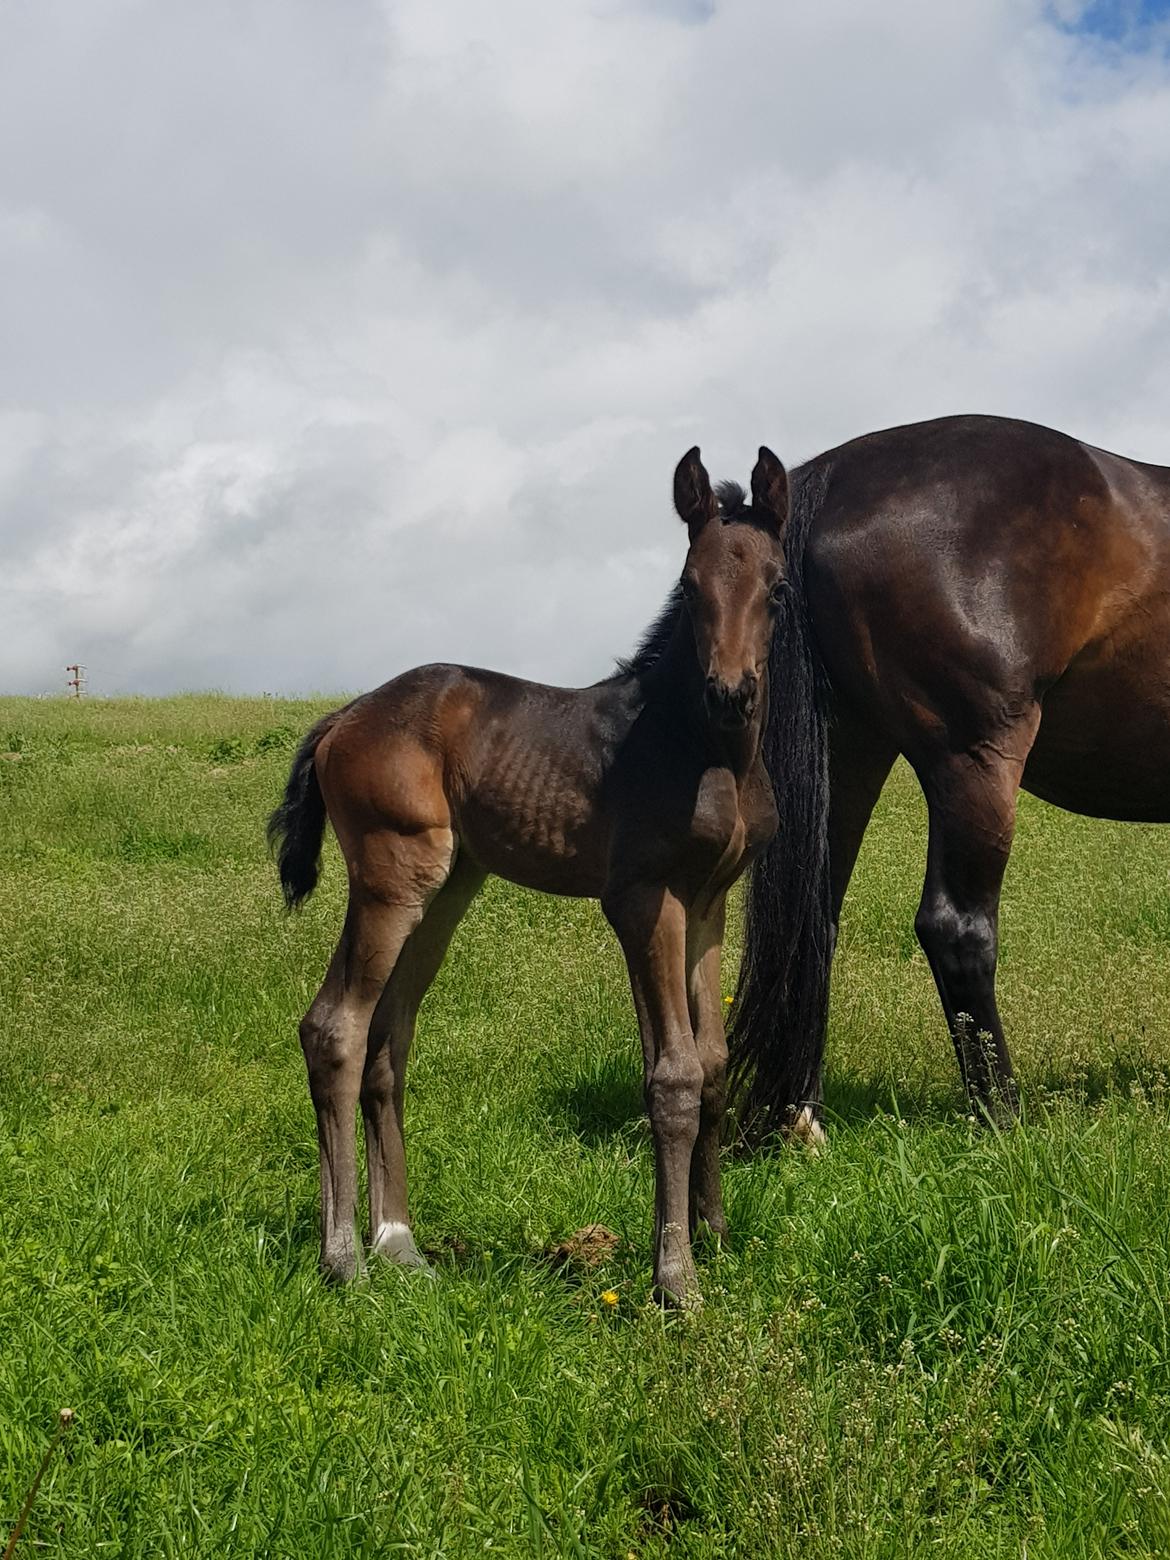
(343, 338)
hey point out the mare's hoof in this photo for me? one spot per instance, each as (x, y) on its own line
(999, 1115)
(808, 1132)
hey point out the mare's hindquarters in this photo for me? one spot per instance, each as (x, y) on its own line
(960, 577)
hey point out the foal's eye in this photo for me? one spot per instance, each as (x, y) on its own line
(777, 593)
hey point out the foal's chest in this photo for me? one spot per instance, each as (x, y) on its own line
(732, 822)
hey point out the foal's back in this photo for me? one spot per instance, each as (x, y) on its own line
(511, 772)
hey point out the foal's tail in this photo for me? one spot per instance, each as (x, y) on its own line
(297, 827)
(777, 1037)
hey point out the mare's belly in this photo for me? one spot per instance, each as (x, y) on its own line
(1103, 747)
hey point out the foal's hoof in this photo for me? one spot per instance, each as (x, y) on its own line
(395, 1243)
(677, 1289)
(342, 1266)
(710, 1234)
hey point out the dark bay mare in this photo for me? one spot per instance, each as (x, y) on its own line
(646, 791)
(992, 600)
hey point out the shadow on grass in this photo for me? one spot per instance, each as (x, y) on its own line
(606, 1101)
(601, 1103)
(852, 1100)
(1095, 1083)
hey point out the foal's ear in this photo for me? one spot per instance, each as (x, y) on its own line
(693, 497)
(770, 491)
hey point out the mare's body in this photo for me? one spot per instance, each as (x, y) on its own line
(992, 600)
(645, 791)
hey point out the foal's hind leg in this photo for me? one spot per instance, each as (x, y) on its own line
(384, 1078)
(334, 1032)
(972, 802)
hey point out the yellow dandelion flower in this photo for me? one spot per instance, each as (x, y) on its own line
(609, 1297)
(727, 1001)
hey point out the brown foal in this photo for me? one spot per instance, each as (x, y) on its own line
(645, 791)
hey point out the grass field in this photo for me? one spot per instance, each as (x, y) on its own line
(931, 1341)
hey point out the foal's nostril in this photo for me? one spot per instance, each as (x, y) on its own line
(735, 705)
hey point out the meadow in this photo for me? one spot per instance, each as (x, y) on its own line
(931, 1340)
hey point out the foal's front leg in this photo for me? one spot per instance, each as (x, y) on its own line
(704, 946)
(651, 925)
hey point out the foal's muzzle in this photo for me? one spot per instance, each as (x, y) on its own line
(732, 708)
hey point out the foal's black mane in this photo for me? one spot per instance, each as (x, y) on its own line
(733, 500)
(733, 505)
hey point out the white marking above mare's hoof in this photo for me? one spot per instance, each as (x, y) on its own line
(808, 1131)
(395, 1243)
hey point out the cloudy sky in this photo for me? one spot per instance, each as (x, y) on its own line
(337, 338)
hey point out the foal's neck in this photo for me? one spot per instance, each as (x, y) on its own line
(676, 685)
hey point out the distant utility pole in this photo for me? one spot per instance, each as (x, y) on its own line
(76, 679)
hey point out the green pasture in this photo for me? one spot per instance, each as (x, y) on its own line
(931, 1341)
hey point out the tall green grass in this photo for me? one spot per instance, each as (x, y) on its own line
(933, 1340)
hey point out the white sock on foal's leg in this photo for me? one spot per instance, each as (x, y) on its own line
(395, 1242)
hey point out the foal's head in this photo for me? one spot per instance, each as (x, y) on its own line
(732, 580)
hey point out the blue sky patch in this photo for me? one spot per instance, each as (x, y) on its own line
(1123, 21)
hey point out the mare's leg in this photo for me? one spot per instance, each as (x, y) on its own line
(971, 797)
(384, 1077)
(335, 1030)
(704, 945)
(651, 924)
(860, 760)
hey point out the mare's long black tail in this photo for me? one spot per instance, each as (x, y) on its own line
(779, 1019)
(297, 827)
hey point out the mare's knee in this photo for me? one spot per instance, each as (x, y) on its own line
(960, 943)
